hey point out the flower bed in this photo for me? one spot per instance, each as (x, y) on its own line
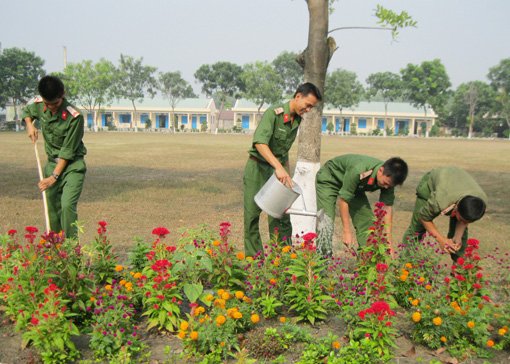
(214, 298)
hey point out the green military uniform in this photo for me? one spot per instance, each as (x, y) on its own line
(349, 177)
(278, 131)
(437, 194)
(63, 134)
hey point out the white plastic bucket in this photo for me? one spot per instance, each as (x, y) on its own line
(274, 198)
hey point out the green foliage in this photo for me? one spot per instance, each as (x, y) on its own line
(289, 71)
(20, 71)
(377, 131)
(262, 84)
(103, 256)
(269, 304)
(342, 89)
(138, 255)
(266, 344)
(221, 78)
(434, 130)
(395, 21)
(354, 128)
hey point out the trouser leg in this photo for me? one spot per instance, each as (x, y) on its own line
(327, 195)
(72, 186)
(415, 231)
(362, 217)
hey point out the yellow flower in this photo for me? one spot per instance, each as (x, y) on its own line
(216, 243)
(220, 291)
(129, 284)
(239, 294)
(283, 319)
(238, 315)
(249, 259)
(209, 297)
(471, 324)
(182, 334)
(225, 296)
(108, 287)
(240, 255)
(132, 273)
(128, 288)
(123, 282)
(428, 306)
(209, 251)
(416, 317)
(255, 318)
(409, 266)
(443, 339)
(437, 321)
(502, 332)
(293, 255)
(193, 335)
(118, 268)
(336, 345)
(415, 302)
(137, 275)
(184, 325)
(286, 249)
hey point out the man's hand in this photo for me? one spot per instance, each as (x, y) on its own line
(46, 183)
(457, 243)
(348, 240)
(32, 130)
(283, 176)
(447, 245)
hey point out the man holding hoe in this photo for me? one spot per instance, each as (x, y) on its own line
(272, 141)
(64, 173)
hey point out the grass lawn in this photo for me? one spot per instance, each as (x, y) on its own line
(138, 181)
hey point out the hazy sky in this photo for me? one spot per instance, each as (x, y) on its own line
(468, 36)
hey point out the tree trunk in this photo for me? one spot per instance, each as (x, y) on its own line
(315, 61)
(134, 121)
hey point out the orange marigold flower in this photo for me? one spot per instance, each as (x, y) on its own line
(422, 279)
(240, 255)
(443, 339)
(255, 318)
(193, 335)
(283, 319)
(209, 297)
(238, 315)
(286, 249)
(403, 277)
(225, 296)
(496, 315)
(181, 334)
(221, 319)
(128, 288)
(415, 302)
(216, 243)
(471, 324)
(92, 299)
(502, 332)
(293, 255)
(129, 284)
(490, 343)
(428, 287)
(118, 268)
(239, 294)
(221, 291)
(336, 345)
(108, 287)
(222, 343)
(416, 317)
(272, 281)
(202, 320)
(437, 321)
(123, 282)
(409, 266)
(184, 325)
(137, 275)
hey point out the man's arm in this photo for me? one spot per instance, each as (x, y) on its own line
(444, 243)
(344, 215)
(49, 181)
(460, 227)
(31, 129)
(282, 175)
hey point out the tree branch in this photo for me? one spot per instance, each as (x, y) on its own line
(376, 28)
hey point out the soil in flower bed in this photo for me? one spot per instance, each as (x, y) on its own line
(11, 351)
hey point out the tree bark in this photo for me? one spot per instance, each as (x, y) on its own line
(314, 60)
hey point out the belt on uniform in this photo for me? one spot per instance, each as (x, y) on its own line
(258, 160)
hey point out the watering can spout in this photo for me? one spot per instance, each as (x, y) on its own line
(301, 212)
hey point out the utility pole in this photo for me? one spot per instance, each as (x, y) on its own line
(65, 57)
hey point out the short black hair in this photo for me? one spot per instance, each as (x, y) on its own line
(51, 88)
(397, 169)
(471, 208)
(309, 88)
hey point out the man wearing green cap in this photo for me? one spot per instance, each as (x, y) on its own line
(64, 173)
(347, 178)
(448, 191)
(268, 154)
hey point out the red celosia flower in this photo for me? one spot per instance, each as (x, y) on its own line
(381, 267)
(486, 298)
(31, 229)
(460, 278)
(160, 231)
(479, 275)
(380, 205)
(102, 223)
(34, 320)
(12, 232)
(309, 236)
(469, 266)
(460, 261)
(476, 285)
(447, 280)
(473, 242)
(225, 224)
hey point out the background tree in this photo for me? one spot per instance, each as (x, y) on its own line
(134, 81)
(387, 85)
(500, 81)
(90, 85)
(174, 88)
(426, 85)
(315, 60)
(262, 84)
(222, 79)
(343, 90)
(290, 72)
(20, 71)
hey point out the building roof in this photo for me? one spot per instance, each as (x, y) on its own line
(159, 102)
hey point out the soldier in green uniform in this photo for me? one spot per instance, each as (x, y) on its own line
(452, 192)
(62, 128)
(347, 178)
(268, 154)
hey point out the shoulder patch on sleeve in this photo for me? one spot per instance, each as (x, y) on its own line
(448, 209)
(365, 174)
(279, 110)
(35, 100)
(73, 111)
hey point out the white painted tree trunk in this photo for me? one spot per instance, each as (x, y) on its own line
(304, 176)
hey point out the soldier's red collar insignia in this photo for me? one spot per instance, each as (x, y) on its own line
(64, 115)
(44, 110)
(286, 118)
(371, 180)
